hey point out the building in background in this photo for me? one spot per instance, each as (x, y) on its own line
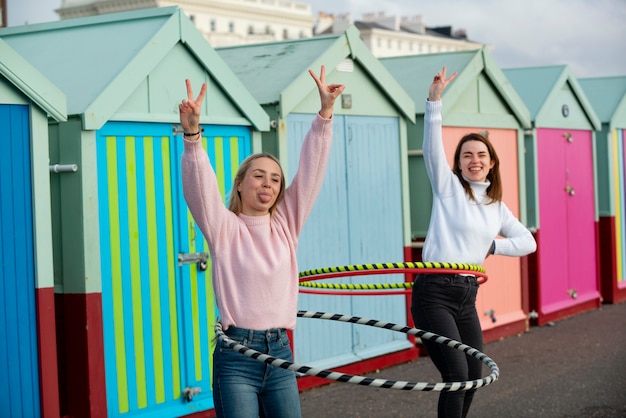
(221, 22)
(239, 22)
(392, 36)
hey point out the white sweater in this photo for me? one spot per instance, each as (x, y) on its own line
(461, 230)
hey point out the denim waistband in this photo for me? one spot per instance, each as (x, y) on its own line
(448, 278)
(255, 335)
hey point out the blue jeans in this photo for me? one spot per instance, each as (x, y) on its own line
(246, 388)
(446, 305)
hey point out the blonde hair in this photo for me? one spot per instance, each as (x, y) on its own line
(235, 204)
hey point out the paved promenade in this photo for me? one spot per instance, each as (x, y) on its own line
(575, 368)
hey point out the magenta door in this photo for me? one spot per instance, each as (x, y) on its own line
(567, 248)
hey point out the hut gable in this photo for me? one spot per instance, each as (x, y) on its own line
(480, 90)
(608, 97)
(545, 88)
(115, 66)
(256, 65)
(20, 74)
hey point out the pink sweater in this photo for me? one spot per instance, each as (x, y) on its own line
(254, 265)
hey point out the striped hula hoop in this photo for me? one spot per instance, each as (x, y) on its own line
(357, 286)
(367, 381)
(393, 266)
(307, 277)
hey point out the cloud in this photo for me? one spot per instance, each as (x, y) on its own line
(589, 36)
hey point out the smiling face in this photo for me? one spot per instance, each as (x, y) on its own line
(475, 161)
(260, 186)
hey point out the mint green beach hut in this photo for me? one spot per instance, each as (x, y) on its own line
(135, 306)
(480, 99)
(562, 192)
(361, 215)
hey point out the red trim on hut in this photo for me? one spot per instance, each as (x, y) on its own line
(46, 336)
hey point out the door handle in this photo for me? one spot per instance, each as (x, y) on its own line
(200, 259)
(189, 393)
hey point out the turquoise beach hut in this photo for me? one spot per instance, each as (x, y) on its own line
(361, 215)
(562, 205)
(131, 271)
(28, 103)
(607, 95)
(480, 99)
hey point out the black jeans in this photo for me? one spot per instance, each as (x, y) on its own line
(445, 304)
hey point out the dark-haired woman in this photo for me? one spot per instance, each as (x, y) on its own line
(469, 221)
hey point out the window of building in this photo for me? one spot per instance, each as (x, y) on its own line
(285, 34)
(231, 27)
(212, 25)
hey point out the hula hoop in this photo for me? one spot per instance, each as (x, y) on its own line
(353, 289)
(367, 381)
(388, 266)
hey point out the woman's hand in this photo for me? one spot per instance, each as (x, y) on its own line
(439, 84)
(189, 109)
(328, 93)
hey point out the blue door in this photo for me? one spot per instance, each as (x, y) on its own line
(19, 373)
(158, 303)
(357, 219)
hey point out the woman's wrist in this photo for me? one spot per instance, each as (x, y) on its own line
(192, 133)
(326, 114)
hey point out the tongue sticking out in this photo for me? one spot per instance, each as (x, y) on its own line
(265, 198)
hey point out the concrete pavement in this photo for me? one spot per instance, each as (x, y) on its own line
(575, 368)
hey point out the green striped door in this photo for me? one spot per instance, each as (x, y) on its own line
(158, 309)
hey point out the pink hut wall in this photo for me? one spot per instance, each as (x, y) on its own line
(499, 303)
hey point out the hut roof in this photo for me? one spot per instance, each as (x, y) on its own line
(33, 84)
(276, 72)
(99, 61)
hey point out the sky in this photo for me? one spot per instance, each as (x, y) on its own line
(587, 35)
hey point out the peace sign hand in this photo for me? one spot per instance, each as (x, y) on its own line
(189, 109)
(328, 92)
(439, 84)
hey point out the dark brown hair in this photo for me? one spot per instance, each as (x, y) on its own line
(235, 204)
(494, 191)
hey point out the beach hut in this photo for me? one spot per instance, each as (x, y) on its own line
(607, 95)
(361, 215)
(131, 271)
(480, 99)
(28, 103)
(561, 175)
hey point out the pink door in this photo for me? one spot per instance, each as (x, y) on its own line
(499, 302)
(567, 229)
